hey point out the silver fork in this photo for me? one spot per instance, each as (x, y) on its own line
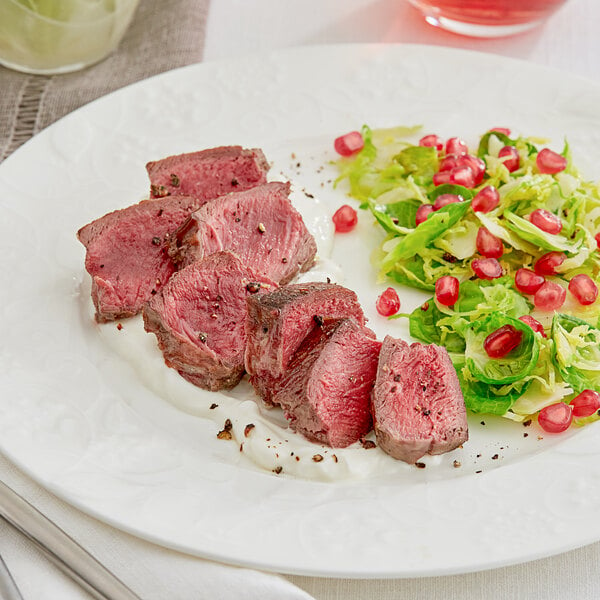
(8, 587)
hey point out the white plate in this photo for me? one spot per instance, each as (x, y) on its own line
(81, 423)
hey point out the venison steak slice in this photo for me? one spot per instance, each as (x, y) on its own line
(326, 390)
(198, 318)
(278, 322)
(260, 225)
(208, 173)
(417, 403)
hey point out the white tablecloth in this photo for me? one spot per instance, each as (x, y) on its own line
(569, 42)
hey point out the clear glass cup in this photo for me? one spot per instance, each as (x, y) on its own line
(59, 36)
(487, 18)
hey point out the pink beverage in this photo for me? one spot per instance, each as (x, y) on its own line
(486, 18)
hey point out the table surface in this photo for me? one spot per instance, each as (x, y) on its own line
(568, 41)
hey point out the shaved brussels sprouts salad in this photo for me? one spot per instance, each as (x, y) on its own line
(506, 238)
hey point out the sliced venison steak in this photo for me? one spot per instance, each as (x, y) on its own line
(326, 389)
(198, 318)
(260, 225)
(278, 322)
(417, 403)
(125, 254)
(208, 173)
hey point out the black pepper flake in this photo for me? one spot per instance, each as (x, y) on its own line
(478, 455)
(308, 195)
(483, 422)
(237, 219)
(153, 292)
(248, 429)
(334, 457)
(156, 241)
(367, 444)
(525, 434)
(456, 464)
(175, 180)
(479, 471)
(318, 319)
(527, 423)
(235, 182)
(449, 257)
(328, 280)
(426, 412)
(227, 426)
(397, 378)
(420, 465)
(317, 457)
(495, 457)
(213, 406)
(159, 191)
(242, 447)
(253, 287)
(202, 337)
(278, 469)
(160, 212)
(284, 260)
(102, 266)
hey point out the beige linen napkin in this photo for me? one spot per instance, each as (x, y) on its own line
(164, 34)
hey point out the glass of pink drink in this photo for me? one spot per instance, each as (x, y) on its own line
(486, 18)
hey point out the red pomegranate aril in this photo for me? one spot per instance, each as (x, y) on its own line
(546, 221)
(441, 177)
(586, 403)
(455, 145)
(349, 144)
(462, 176)
(584, 289)
(547, 263)
(449, 162)
(550, 162)
(446, 290)
(475, 164)
(486, 268)
(388, 303)
(597, 238)
(555, 418)
(345, 219)
(511, 157)
(528, 281)
(444, 199)
(486, 199)
(502, 341)
(503, 130)
(422, 213)
(432, 141)
(534, 324)
(550, 296)
(488, 244)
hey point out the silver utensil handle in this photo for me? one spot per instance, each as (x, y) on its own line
(61, 549)
(8, 587)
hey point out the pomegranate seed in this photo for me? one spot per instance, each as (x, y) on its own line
(475, 164)
(488, 244)
(555, 418)
(511, 157)
(534, 324)
(597, 238)
(585, 404)
(547, 263)
(486, 268)
(345, 219)
(444, 199)
(584, 289)
(449, 162)
(422, 213)
(527, 281)
(432, 141)
(455, 145)
(550, 162)
(502, 341)
(441, 177)
(446, 290)
(486, 199)
(388, 303)
(550, 296)
(503, 130)
(349, 144)
(462, 176)
(546, 221)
